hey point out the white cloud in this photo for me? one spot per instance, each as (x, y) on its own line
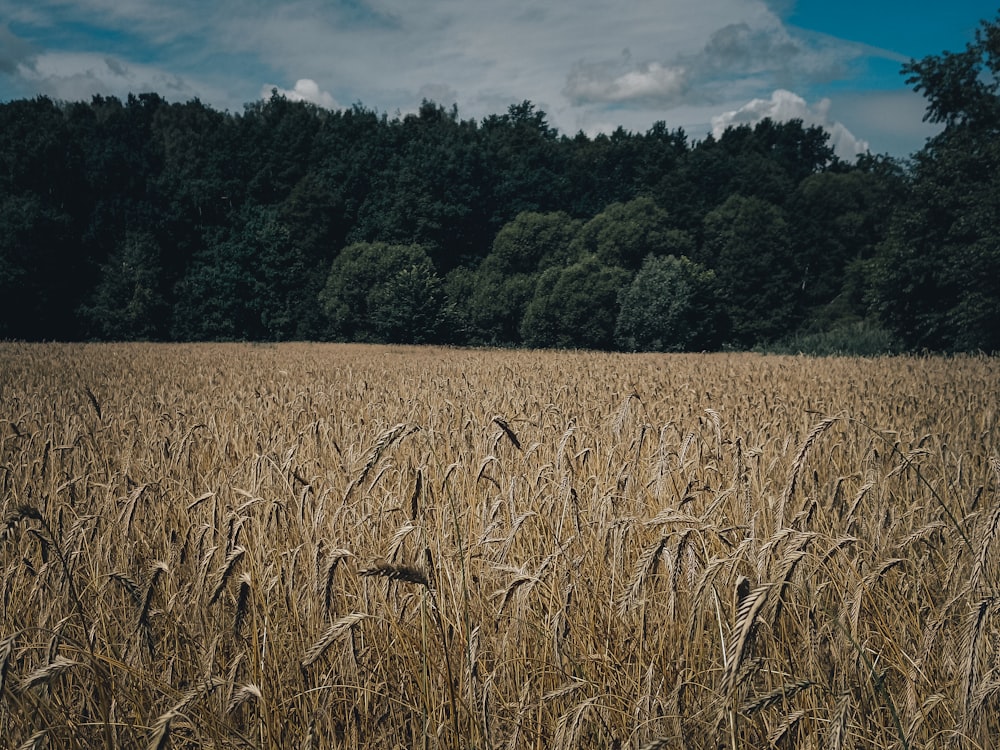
(754, 51)
(625, 82)
(305, 90)
(786, 105)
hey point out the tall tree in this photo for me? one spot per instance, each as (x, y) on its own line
(837, 219)
(747, 243)
(937, 280)
(670, 306)
(128, 302)
(490, 301)
(625, 233)
(575, 306)
(524, 162)
(246, 283)
(430, 192)
(379, 292)
(43, 267)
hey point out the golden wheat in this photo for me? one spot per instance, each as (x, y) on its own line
(351, 546)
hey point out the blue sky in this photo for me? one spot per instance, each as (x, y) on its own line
(592, 65)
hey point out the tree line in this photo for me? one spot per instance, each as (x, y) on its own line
(145, 219)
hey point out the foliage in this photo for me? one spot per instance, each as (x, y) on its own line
(625, 233)
(748, 244)
(384, 293)
(534, 241)
(669, 307)
(836, 220)
(238, 219)
(247, 283)
(409, 306)
(859, 338)
(128, 303)
(491, 300)
(936, 282)
(575, 306)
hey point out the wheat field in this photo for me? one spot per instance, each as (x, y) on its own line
(343, 546)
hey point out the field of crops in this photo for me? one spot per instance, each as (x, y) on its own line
(340, 546)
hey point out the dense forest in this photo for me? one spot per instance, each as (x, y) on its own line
(145, 219)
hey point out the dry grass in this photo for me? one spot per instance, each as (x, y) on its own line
(238, 546)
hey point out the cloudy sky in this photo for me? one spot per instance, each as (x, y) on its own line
(592, 65)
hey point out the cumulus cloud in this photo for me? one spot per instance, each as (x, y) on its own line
(786, 105)
(734, 60)
(742, 48)
(616, 82)
(305, 90)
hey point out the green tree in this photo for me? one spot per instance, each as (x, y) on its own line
(380, 292)
(748, 245)
(37, 277)
(246, 282)
(128, 303)
(43, 204)
(625, 233)
(962, 88)
(534, 241)
(575, 306)
(276, 137)
(430, 190)
(489, 304)
(490, 301)
(525, 163)
(409, 307)
(837, 219)
(936, 282)
(214, 298)
(670, 306)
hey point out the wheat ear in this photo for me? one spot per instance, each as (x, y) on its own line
(746, 618)
(161, 731)
(333, 633)
(797, 464)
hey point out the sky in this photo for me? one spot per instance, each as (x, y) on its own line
(591, 65)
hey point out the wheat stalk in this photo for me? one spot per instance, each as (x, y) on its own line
(784, 692)
(160, 736)
(970, 663)
(397, 572)
(246, 693)
(6, 655)
(785, 727)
